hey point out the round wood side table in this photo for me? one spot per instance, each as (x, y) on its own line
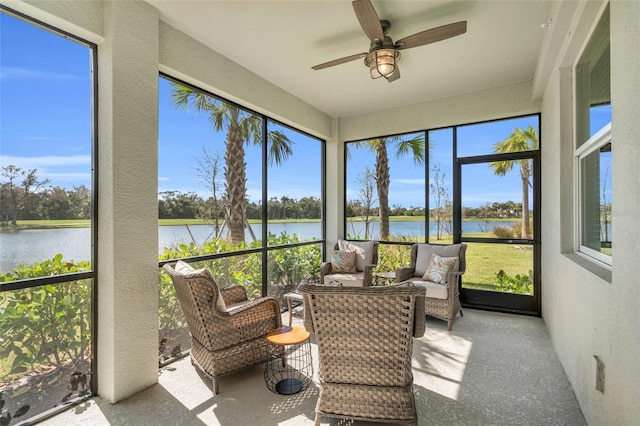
(289, 368)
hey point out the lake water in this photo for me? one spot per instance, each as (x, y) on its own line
(29, 246)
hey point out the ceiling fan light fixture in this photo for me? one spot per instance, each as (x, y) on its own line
(382, 62)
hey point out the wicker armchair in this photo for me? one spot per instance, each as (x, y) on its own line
(366, 260)
(365, 339)
(228, 332)
(442, 300)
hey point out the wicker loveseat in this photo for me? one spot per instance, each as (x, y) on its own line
(366, 260)
(442, 299)
(365, 339)
(228, 332)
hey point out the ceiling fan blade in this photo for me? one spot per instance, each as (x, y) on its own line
(368, 19)
(393, 77)
(431, 36)
(339, 61)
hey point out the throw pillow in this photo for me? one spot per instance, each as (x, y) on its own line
(343, 261)
(363, 249)
(189, 272)
(439, 268)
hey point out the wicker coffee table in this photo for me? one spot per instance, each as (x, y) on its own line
(289, 368)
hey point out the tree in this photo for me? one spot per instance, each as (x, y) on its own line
(241, 127)
(80, 199)
(209, 172)
(20, 193)
(443, 208)
(403, 147)
(520, 140)
(363, 206)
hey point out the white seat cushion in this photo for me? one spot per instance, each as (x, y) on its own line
(434, 290)
(347, 280)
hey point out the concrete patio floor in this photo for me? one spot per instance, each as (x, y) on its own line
(491, 369)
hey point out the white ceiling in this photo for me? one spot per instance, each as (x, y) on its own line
(282, 40)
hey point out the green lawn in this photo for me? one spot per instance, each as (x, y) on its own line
(46, 224)
(484, 260)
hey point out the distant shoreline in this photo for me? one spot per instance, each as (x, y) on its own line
(77, 223)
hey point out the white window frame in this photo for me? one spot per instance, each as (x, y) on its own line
(593, 144)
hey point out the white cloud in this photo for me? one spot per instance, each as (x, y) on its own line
(68, 176)
(15, 73)
(45, 161)
(61, 170)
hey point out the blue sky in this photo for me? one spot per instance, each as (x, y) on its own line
(45, 113)
(182, 136)
(479, 184)
(44, 103)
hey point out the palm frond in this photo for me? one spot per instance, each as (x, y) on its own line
(501, 168)
(280, 147)
(413, 147)
(184, 97)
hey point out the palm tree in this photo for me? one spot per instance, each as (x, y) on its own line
(241, 127)
(520, 140)
(403, 147)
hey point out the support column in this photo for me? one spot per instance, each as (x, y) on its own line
(127, 356)
(334, 191)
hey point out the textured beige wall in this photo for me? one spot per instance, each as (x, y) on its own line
(497, 102)
(127, 200)
(586, 311)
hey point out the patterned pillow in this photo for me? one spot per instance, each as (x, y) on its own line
(439, 268)
(343, 261)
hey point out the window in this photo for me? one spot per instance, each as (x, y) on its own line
(385, 186)
(239, 194)
(46, 218)
(592, 156)
(594, 191)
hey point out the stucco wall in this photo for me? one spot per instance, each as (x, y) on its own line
(498, 102)
(586, 313)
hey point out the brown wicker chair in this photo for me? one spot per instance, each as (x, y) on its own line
(365, 338)
(366, 260)
(227, 331)
(442, 300)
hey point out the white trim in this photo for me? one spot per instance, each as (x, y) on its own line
(596, 141)
(601, 138)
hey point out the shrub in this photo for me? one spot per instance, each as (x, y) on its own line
(504, 232)
(517, 230)
(287, 268)
(48, 324)
(519, 284)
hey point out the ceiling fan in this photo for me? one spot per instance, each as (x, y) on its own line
(383, 56)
